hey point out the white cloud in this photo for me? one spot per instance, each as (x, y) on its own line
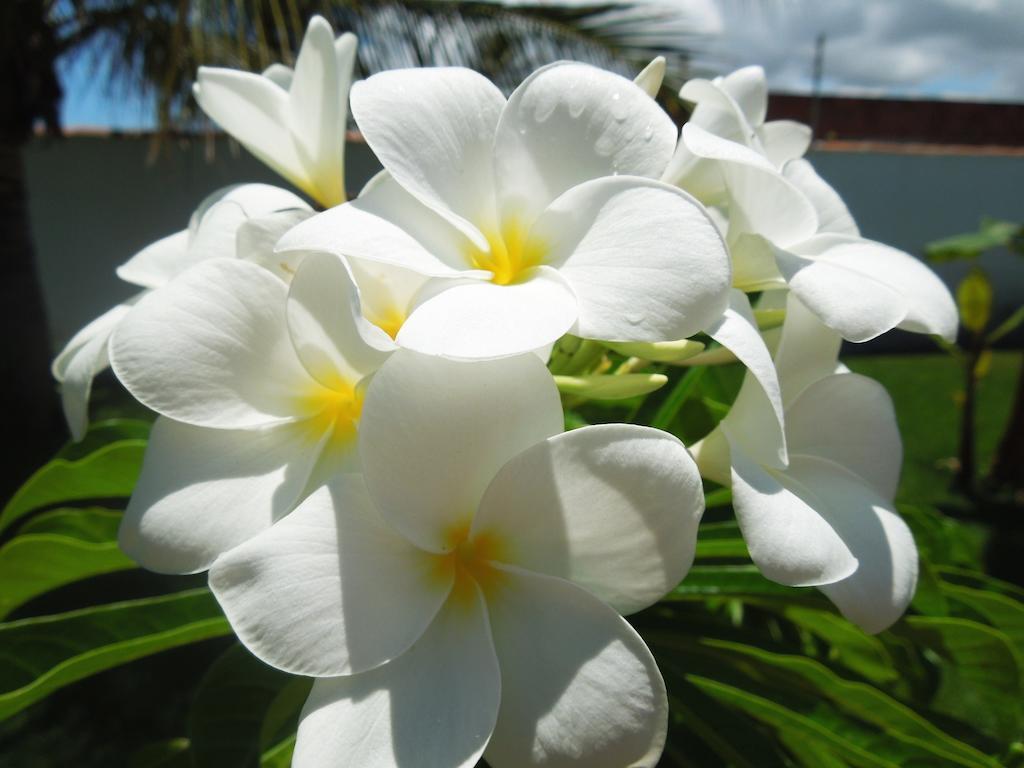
(893, 47)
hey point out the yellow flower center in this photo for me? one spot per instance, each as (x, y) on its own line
(389, 319)
(511, 253)
(472, 558)
(336, 409)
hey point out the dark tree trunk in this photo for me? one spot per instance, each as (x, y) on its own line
(30, 424)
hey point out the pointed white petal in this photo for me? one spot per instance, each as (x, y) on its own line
(710, 146)
(753, 263)
(784, 140)
(763, 432)
(652, 76)
(386, 224)
(434, 432)
(929, 305)
(203, 491)
(317, 112)
(211, 348)
(849, 419)
(84, 356)
(569, 123)
(788, 525)
(578, 685)
(613, 508)
(305, 595)
(749, 89)
(433, 130)
(644, 259)
(881, 588)
(473, 319)
(157, 263)
(333, 340)
(717, 112)
(808, 349)
(435, 705)
(255, 111)
(833, 215)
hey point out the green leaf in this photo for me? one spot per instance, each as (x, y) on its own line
(280, 755)
(905, 731)
(980, 679)
(95, 524)
(232, 707)
(34, 563)
(992, 234)
(1007, 326)
(683, 388)
(848, 645)
(40, 655)
(110, 472)
(974, 300)
(794, 724)
(737, 581)
(1002, 612)
(172, 753)
(721, 540)
(103, 433)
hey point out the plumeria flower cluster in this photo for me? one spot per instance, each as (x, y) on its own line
(360, 432)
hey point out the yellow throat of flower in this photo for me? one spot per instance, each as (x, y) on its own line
(512, 252)
(336, 409)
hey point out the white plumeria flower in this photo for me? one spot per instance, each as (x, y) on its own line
(294, 121)
(825, 517)
(790, 229)
(733, 107)
(241, 211)
(460, 598)
(536, 217)
(259, 387)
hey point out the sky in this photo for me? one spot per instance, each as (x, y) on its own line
(950, 49)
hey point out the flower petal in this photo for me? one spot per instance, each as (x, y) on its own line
(613, 508)
(84, 356)
(333, 340)
(578, 685)
(644, 259)
(304, 595)
(856, 304)
(203, 491)
(784, 140)
(808, 349)
(833, 215)
(652, 76)
(568, 123)
(473, 319)
(387, 292)
(787, 525)
(257, 238)
(749, 89)
(434, 432)
(766, 203)
(211, 348)
(434, 705)
(929, 305)
(849, 419)
(157, 263)
(255, 111)
(881, 588)
(318, 103)
(433, 130)
(386, 224)
(758, 407)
